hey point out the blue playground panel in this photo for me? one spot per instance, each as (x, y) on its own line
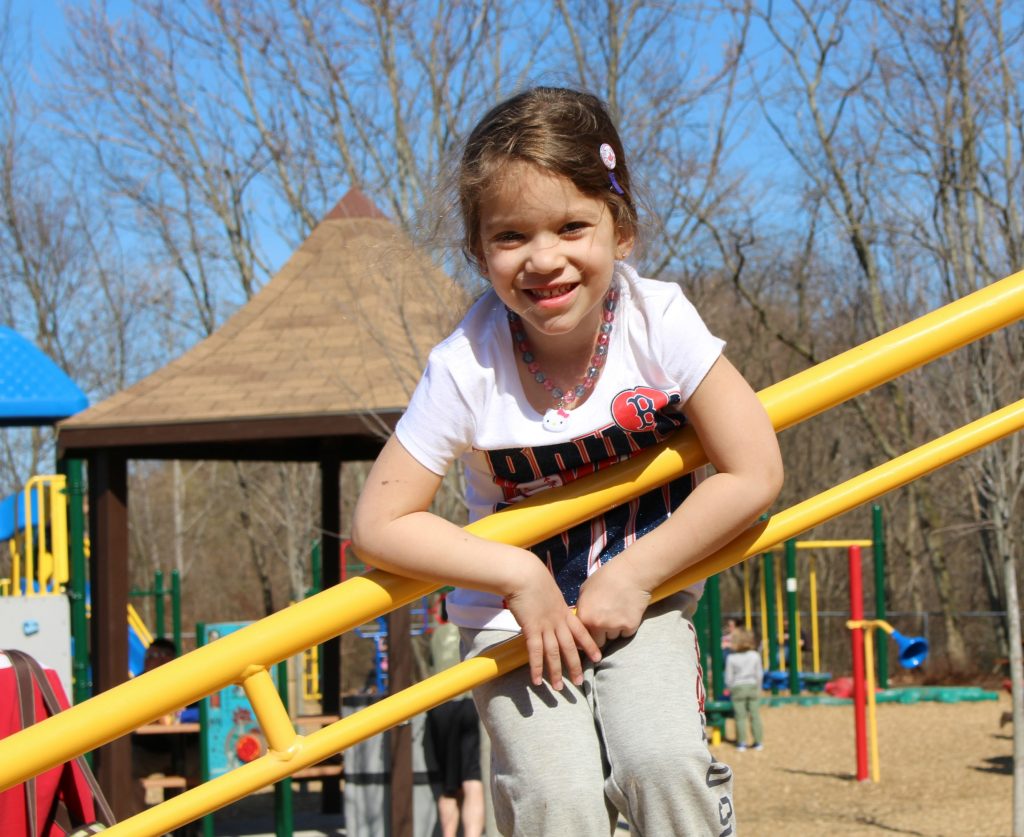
(12, 514)
(33, 389)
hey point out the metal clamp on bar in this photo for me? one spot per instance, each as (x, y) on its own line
(282, 740)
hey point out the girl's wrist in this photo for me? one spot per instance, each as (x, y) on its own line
(519, 568)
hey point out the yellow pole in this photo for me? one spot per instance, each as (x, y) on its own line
(780, 627)
(764, 623)
(172, 685)
(15, 563)
(869, 665)
(815, 650)
(832, 544)
(748, 617)
(799, 650)
(59, 531)
(30, 558)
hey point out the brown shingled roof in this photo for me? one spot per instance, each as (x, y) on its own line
(332, 346)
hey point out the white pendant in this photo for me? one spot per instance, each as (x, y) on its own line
(555, 419)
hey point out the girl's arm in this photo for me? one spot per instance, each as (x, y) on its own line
(740, 443)
(393, 530)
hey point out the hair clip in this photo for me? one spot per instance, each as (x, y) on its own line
(608, 158)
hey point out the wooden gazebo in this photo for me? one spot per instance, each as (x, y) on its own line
(316, 367)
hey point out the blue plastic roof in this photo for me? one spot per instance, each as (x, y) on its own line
(33, 389)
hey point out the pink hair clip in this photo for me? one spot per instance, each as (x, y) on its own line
(608, 158)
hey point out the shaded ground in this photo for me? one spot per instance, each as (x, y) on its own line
(945, 772)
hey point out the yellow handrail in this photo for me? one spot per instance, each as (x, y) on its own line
(296, 752)
(234, 658)
(46, 537)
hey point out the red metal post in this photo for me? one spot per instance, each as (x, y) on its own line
(859, 688)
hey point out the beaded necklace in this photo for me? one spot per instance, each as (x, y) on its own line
(557, 417)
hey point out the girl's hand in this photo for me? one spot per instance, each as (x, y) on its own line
(554, 635)
(613, 601)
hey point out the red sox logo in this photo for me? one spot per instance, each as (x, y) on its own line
(635, 410)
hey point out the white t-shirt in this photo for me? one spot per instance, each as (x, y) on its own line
(470, 405)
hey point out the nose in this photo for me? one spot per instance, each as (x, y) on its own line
(545, 255)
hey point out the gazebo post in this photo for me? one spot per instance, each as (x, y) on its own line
(330, 540)
(399, 678)
(108, 563)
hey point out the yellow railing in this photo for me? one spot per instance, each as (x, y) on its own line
(40, 553)
(245, 656)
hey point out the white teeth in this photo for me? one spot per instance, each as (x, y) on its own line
(549, 293)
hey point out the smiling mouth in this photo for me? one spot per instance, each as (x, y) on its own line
(551, 293)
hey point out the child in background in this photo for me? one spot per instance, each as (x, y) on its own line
(569, 363)
(727, 631)
(453, 732)
(743, 676)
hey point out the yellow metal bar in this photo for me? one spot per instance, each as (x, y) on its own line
(316, 619)
(788, 402)
(815, 650)
(796, 630)
(270, 712)
(59, 531)
(869, 665)
(311, 674)
(831, 544)
(30, 557)
(780, 626)
(748, 619)
(468, 674)
(764, 623)
(15, 563)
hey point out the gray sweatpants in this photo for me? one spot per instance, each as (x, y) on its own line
(630, 739)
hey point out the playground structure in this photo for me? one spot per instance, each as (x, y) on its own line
(34, 525)
(779, 620)
(245, 656)
(912, 652)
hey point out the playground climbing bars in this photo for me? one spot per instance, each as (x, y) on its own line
(243, 655)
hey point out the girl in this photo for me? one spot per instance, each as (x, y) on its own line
(569, 363)
(743, 676)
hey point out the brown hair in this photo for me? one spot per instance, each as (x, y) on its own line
(742, 640)
(557, 129)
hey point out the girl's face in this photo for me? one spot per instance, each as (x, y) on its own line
(548, 250)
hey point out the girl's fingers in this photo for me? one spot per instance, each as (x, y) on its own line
(553, 653)
(587, 643)
(535, 650)
(570, 656)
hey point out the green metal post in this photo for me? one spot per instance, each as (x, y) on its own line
(768, 571)
(791, 606)
(881, 637)
(176, 608)
(713, 596)
(204, 745)
(283, 816)
(317, 568)
(82, 688)
(158, 602)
